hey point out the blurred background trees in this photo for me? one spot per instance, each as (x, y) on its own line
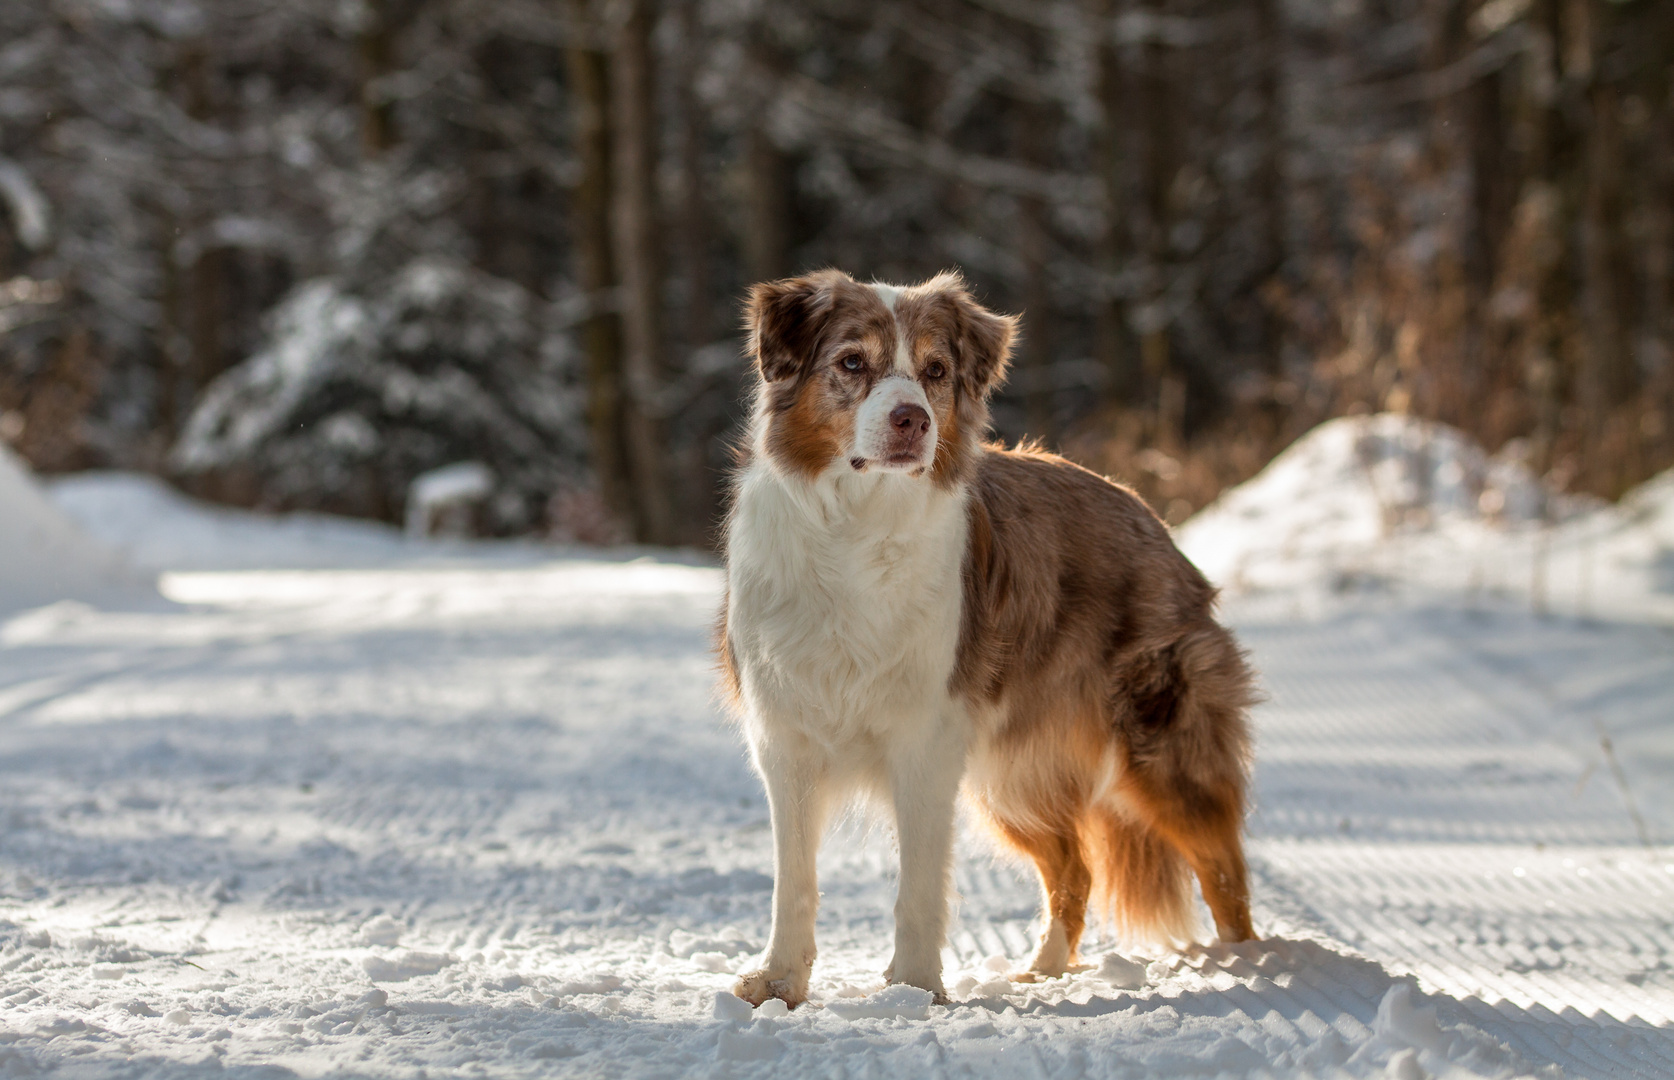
(298, 255)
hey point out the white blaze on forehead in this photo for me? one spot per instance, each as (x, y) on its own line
(889, 294)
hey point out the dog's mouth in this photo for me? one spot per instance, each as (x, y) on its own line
(902, 462)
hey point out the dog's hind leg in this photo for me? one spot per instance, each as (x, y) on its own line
(1184, 772)
(1217, 857)
(1205, 831)
(1065, 882)
(799, 800)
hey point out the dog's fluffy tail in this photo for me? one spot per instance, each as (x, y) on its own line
(1141, 885)
(1178, 811)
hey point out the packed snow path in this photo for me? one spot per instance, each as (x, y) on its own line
(485, 819)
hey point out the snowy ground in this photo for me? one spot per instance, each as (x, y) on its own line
(471, 811)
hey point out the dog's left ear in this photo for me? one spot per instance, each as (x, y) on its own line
(984, 342)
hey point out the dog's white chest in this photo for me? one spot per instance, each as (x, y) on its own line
(844, 601)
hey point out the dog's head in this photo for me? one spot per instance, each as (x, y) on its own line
(874, 377)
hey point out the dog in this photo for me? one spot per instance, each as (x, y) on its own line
(911, 612)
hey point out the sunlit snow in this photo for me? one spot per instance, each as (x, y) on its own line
(338, 802)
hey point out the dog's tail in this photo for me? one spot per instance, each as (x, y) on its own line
(1180, 800)
(1142, 886)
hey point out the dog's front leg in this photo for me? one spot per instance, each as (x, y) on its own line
(798, 799)
(924, 784)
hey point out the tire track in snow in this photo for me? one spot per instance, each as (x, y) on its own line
(1519, 890)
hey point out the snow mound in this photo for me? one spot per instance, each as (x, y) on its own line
(1351, 484)
(908, 1002)
(43, 556)
(407, 965)
(1639, 530)
(1122, 972)
(157, 527)
(1385, 503)
(731, 1007)
(381, 930)
(1411, 1044)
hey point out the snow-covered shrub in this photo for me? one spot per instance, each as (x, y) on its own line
(356, 392)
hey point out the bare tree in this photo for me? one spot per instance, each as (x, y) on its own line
(638, 257)
(587, 66)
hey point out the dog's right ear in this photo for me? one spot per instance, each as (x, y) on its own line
(785, 319)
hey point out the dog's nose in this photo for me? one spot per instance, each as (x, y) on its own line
(909, 420)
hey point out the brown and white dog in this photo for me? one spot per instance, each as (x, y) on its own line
(910, 611)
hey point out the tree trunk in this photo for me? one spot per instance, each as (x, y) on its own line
(588, 72)
(1032, 247)
(203, 296)
(1608, 289)
(173, 351)
(765, 244)
(637, 258)
(1156, 104)
(1659, 239)
(1111, 329)
(694, 236)
(377, 60)
(1270, 187)
(209, 270)
(1546, 202)
(1490, 207)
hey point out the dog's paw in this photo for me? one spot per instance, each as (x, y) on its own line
(1037, 973)
(758, 986)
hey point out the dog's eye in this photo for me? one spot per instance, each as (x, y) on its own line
(852, 362)
(934, 370)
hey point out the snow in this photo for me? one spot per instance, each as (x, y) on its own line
(1122, 972)
(1373, 503)
(27, 206)
(471, 809)
(311, 330)
(158, 528)
(908, 1002)
(43, 556)
(361, 388)
(439, 490)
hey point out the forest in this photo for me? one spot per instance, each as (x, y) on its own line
(301, 255)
